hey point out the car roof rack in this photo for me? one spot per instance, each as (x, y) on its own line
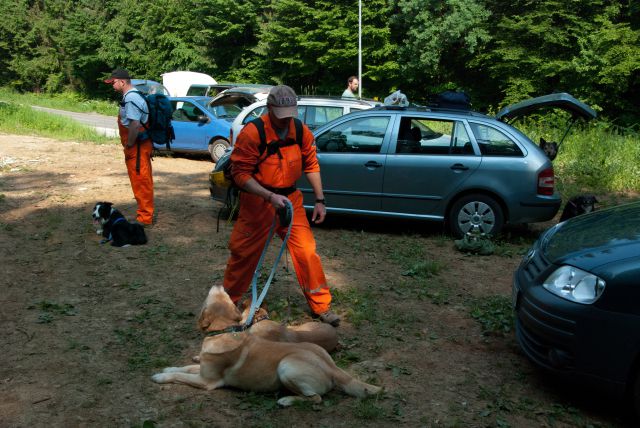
(416, 107)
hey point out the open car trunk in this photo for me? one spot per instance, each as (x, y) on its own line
(561, 100)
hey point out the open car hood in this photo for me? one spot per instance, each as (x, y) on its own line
(560, 100)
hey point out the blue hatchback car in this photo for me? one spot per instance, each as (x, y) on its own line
(197, 128)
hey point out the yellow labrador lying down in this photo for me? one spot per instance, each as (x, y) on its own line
(246, 361)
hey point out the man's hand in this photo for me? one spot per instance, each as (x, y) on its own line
(278, 201)
(319, 213)
(134, 127)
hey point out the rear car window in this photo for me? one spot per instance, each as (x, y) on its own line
(319, 115)
(425, 136)
(360, 135)
(197, 91)
(493, 142)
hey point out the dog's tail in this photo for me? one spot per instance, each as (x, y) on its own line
(352, 386)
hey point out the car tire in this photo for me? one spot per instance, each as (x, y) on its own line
(475, 213)
(217, 148)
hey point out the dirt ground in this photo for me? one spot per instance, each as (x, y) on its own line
(85, 325)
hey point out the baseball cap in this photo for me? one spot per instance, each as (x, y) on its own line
(118, 73)
(283, 102)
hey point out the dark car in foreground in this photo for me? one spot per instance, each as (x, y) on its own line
(576, 296)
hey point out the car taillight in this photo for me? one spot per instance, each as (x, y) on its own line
(546, 181)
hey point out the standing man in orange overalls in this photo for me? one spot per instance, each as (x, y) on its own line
(138, 148)
(268, 179)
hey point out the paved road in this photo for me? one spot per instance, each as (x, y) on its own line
(105, 125)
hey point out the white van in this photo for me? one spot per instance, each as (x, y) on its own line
(179, 82)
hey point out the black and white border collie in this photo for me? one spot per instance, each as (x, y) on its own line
(115, 228)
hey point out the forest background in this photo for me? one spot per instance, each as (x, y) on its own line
(498, 52)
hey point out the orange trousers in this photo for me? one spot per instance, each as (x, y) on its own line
(247, 241)
(141, 182)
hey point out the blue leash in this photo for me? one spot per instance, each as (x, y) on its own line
(255, 300)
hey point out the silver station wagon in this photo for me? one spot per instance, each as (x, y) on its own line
(472, 171)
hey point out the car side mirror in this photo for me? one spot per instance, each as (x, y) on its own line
(203, 119)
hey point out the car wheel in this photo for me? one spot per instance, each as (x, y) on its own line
(475, 214)
(217, 148)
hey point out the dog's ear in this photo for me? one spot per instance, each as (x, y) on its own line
(204, 320)
(543, 142)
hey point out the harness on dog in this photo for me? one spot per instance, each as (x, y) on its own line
(110, 238)
(285, 217)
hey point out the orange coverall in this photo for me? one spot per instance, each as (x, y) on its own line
(256, 214)
(142, 182)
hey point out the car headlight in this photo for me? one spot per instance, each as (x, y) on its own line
(575, 285)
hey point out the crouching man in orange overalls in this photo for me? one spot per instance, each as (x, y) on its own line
(268, 178)
(138, 148)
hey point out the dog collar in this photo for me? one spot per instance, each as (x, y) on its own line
(236, 328)
(233, 329)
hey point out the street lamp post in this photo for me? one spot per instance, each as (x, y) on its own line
(360, 48)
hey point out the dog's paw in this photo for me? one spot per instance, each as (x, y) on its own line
(172, 370)
(195, 359)
(99, 232)
(291, 399)
(160, 378)
(288, 401)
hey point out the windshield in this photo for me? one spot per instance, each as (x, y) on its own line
(228, 107)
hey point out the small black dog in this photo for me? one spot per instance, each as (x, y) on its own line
(115, 228)
(549, 148)
(578, 205)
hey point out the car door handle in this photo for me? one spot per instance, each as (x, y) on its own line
(373, 164)
(459, 166)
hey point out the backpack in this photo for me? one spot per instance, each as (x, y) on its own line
(451, 100)
(224, 163)
(221, 174)
(158, 128)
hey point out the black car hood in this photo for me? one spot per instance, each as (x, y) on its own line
(561, 100)
(595, 239)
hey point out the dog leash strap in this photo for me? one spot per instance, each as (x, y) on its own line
(255, 300)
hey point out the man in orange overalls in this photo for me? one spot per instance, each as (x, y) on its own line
(268, 180)
(138, 148)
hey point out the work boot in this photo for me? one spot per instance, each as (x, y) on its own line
(330, 317)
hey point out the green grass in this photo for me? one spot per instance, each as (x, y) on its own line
(597, 157)
(66, 101)
(49, 310)
(494, 313)
(23, 120)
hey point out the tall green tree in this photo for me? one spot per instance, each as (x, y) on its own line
(12, 33)
(436, 40)
(535, 44)
(36, 58)
(313, 45)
